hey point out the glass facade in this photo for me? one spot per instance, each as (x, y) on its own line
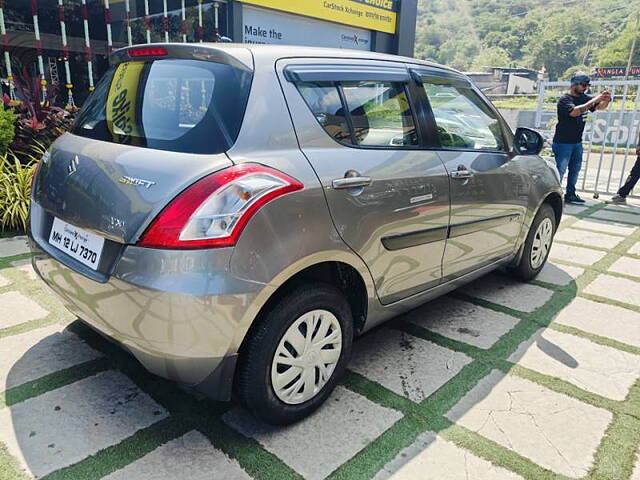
(21, 40)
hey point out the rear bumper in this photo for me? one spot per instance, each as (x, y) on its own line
(180, 313)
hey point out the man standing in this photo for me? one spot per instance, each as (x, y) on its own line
(632, 179)
(573, 108)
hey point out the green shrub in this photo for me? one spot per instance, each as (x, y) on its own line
(15, 190)
(7, 129)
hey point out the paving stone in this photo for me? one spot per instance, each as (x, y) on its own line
(635, 249)
(190, 457)
(17, 309)
(63, 426)
(619, 289)
(25, 267)
(502, 290)
(551, 429)
(431, 457)
(609, 321)
(590, 239)
(596, 368)
(4, 281)
(39, 352)
(628, 208)
(628, 266)
(407, 365)
(573, 209)
(13, 246)
(579, 255)
(315, 447)
(617, 216)
(462, 321)
(636, 470)
(604, 226)
(559, 274)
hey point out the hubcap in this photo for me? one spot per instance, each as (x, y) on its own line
(541, 243)
(306, 357)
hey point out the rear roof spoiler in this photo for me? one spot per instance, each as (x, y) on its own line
(238, 57)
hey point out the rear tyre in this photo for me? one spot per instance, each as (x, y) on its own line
(293, 359)
(537, 244)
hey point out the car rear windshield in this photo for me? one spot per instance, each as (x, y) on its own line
(180, 105)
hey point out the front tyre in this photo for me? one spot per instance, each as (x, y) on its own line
(293, 359)
(537, 245)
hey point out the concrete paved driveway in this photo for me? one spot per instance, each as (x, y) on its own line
(500, 380)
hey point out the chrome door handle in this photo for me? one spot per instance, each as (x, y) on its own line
(461, 174)
(350, 182)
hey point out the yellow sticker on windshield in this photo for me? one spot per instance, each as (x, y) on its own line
(121, 101)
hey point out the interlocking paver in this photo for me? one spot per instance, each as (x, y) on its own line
(25, 267)
(17, 309)
(609, 321)
(4, 281)
(13, 246)
(63, 426)
(462, 321)
(596, 368)
(579, 255)
(317, 446)
(635, 249)
(561, 275)
(39, 352)
(604, 226)
(553, 430)
(574, 209)
(190, 457)
(615, 288)
(431, 457)
(508, 292)
(628, 266)
(636, 470)
(601, 240)
(617, 216)
(406, 365)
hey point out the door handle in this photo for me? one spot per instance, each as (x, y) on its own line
(461, 173)
(350, 182)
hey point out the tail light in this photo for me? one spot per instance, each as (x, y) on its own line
(147, 52)
(213, 211)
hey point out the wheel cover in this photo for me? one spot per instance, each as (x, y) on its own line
(541, 243)
(306, 357)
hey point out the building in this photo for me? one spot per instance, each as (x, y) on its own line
(65, 43)
(506, 80)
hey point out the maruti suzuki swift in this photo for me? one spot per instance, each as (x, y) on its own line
(235, 215)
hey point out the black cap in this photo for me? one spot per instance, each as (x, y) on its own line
(579, 78)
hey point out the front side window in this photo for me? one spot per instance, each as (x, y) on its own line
(463, 120)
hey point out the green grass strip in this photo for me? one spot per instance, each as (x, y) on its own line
(28, 326)
(52, 381)
(10, 467)
(113, 458)
(605, 341)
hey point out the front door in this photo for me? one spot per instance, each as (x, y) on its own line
(388, 197)
(489, 191)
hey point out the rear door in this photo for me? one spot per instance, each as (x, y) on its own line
(388, 196)
(489, 191)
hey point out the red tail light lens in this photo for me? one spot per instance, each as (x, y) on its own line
(147, 52)
(213, 211)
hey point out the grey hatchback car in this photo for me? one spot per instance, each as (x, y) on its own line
(235, 215)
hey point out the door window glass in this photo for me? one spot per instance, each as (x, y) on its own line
(324, 101)
(380, 114)
(463, 119)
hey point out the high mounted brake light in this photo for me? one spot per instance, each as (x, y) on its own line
(147, 52)
(213, 211)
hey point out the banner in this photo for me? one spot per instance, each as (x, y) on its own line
(607, 72)
(121, 101)
(379, 15)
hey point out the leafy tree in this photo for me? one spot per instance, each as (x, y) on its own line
(616, 52)
(491, 57)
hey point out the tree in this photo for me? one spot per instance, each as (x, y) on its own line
(491, 57)
(616, 52)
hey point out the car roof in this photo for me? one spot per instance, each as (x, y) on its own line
(285, 51)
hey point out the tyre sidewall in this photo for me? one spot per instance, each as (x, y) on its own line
(525, 270)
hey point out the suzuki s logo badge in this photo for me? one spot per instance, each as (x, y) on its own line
(73, 165)
(136, 182)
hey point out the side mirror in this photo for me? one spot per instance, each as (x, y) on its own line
(527, 142)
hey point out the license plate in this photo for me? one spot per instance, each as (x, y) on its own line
(84, 246)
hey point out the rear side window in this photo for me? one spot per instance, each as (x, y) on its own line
(180, 105)
(363, 113)
(463, 120)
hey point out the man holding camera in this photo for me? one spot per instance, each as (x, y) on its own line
(573, 108)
